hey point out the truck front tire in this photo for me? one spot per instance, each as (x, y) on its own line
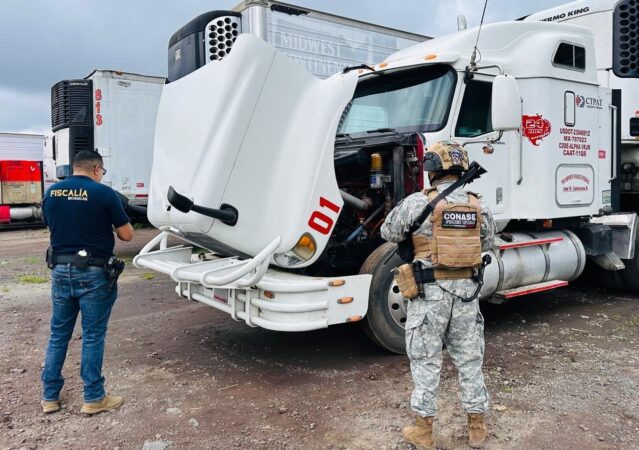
(386, 308)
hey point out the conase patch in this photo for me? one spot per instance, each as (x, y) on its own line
(465, 220)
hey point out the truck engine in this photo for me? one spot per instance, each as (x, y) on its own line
(373, 175)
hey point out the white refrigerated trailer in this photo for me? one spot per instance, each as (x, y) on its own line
(113, 113)
(322, 43)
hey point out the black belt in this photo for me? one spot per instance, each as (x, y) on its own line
(70, 259)
(423, 275)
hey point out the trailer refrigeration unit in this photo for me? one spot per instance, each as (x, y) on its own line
(21, 181)
(322, 43)
(285, 178)
(113, 113)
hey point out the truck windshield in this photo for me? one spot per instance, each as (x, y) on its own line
(407, 100)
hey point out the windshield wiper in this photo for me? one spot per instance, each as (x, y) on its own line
(383, 130)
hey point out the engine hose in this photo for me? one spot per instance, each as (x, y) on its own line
(360, 228)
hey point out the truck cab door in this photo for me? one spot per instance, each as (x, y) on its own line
(472, 122)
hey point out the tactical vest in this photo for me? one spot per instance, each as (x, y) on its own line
(456, 241)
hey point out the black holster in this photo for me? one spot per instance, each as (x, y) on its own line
(50, 258)
(113, 269)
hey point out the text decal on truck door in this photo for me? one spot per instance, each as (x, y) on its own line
(321, 222)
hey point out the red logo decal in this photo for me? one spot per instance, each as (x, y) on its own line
(602, 154)
(535, 128)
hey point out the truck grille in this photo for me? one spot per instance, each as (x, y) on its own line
(222, 33)
(625, 55)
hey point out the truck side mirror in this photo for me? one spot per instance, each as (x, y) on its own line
(506, 104)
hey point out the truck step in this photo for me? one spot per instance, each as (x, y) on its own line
(531, 243)
(530, 289)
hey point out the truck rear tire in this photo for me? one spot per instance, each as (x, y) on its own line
(613, 279)
(384, 322)
(610, 279)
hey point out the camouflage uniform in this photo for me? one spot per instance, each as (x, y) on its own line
(441, 317)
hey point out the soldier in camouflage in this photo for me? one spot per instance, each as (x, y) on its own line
(440, 316)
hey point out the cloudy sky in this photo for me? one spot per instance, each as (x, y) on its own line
(45, 41)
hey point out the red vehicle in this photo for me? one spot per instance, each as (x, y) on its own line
(21, 178)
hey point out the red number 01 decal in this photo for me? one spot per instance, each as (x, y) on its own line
(319, 221)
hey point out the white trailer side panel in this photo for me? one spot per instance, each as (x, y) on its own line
(21, 147)
(124, 129)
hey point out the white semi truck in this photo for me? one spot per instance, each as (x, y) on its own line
(285, 178)
(615, 27)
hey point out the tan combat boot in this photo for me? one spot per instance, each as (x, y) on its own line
(50, 406)
(477, 430)
(420, 434)
(107, 403)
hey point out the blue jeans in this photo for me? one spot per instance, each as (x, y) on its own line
(73, 291)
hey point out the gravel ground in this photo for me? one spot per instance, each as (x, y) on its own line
(562, 368)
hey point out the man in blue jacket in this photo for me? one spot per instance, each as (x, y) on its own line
(82, 215)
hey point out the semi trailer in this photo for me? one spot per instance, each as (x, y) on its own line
(21, 179)
(322, 43)
(113, 113)
(284, 179)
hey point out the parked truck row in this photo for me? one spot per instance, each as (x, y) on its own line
(285, 181)
(284, 174)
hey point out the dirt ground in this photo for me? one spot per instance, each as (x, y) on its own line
(562, 368)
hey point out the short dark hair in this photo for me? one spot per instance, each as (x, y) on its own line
(87, 159)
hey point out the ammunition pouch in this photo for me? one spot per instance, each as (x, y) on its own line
(405, 280)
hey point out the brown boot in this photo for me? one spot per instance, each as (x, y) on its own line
(107, 403)
(420, 434)
(477, 430)
(50, 406)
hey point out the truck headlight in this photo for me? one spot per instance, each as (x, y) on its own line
(303, 251)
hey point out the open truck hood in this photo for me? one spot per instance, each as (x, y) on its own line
(254, 131)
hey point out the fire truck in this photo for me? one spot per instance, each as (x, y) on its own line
(285, 179)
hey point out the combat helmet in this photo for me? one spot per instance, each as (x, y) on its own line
(446, 156)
